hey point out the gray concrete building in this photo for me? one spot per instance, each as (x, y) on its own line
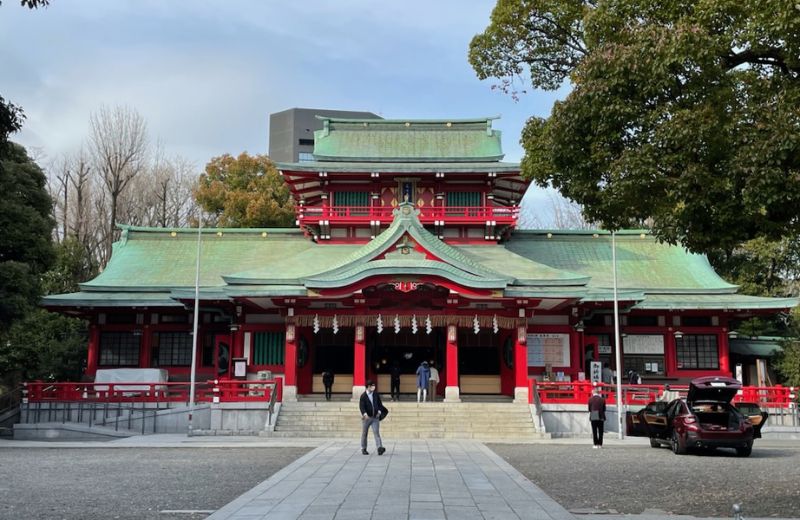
(291, 132)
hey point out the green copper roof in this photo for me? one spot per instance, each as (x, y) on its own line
(384, 140)
(524, 271)
(111, 299)
(156, 267)
(758, 347)
(642, 262)
(479, 168)
(729, 302)
(293, 267)
(149, 259)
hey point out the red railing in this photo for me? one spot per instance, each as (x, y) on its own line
(578, 392)
(223, 391)
(429, 214)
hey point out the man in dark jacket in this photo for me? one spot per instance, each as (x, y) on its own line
(394, 373)
(597, 416)
(372, 412)
(327, 380)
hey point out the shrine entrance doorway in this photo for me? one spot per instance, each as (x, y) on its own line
(333, 352)
(406, 350)
(479, 358)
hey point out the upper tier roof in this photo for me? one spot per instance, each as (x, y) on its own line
(387, 140)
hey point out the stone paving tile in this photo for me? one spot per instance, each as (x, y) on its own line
(435, 480)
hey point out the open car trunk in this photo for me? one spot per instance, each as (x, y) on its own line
(716, 416)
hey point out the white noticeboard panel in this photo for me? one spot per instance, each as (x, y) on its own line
(596, 368)
(643, 344)
(548, 349)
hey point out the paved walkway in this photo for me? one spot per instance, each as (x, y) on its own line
(461, 480)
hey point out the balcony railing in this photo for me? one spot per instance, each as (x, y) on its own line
(578, 392)
(428, 215)
(219, 391)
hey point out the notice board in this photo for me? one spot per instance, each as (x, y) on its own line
(548, 349)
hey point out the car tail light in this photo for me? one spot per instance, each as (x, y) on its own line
(689, 419)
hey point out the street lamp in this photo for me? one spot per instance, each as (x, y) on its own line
(620, 418)
(195, 335)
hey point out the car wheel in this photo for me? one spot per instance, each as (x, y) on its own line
(744, 452)
(677, 447)
(654, 443)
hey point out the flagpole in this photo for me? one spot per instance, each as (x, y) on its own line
(618, 348)
(195, 340)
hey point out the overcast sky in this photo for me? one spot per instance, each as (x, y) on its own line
(206, 74)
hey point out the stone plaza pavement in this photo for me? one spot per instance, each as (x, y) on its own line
(414, 479)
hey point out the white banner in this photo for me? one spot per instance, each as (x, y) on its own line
(548, 349)
(643, 344)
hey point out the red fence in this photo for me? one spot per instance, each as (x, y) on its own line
(221, 391)
(428, 214)
(578, 392)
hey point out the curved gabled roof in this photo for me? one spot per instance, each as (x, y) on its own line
(642, 262)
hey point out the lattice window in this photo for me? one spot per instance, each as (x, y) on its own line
(351, 198)
(172, 349)
(464, 198)
(268, 348)
(119, 349)
(697, 351)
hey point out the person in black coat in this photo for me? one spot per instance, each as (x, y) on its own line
(394, 374)
(327, 380)
(372, 413)
(597, 416)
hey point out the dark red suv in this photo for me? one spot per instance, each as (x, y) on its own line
(704, 419)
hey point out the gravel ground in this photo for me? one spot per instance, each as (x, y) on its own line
(130, 483)
(630, 479)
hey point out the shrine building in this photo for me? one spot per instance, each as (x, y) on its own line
(406, 250)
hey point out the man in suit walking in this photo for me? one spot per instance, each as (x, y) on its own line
(372, 412)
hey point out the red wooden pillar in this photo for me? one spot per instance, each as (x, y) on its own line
(290, 365)
(724, 353)
(452, 391)
(521, 364)
(359, 361)
(146, 348)
(94, 350)
(670, 354)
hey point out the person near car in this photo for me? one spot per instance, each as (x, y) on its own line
(372, 412)
(434, 381)
(597, 416)
(607, 376)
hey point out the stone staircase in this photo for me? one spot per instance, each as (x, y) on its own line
(482, 420)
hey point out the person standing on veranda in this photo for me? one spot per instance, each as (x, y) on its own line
(434, 381)
(423, 380)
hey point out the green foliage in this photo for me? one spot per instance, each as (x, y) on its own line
(680, 112)
(25, 244)
(73, 265)
(11, 117)
(245, 191)
(762, 267)
(787, 363)
(43, 345)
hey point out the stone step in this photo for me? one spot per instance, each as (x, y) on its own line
(407, 425)
(485, 437)
(505, 422)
